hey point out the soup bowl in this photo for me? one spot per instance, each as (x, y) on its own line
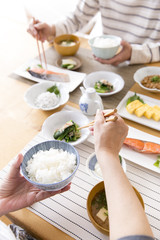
(46, 146)
(67, 50)
(96, 189)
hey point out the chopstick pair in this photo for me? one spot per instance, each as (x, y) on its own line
(109, 117)
(44, 56)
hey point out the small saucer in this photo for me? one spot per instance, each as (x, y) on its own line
(78, 62)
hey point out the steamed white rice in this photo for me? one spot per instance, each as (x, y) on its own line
(46, 100)
(51, 166)
(105, 42)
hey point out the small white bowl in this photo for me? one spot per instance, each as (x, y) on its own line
(33, 92)
(90, 166)
(105, 52)
(141, 73)
(115, 79)
(57, 120)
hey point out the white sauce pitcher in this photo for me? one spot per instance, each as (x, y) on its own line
(90, 101)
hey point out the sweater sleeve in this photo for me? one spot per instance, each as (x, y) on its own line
(137, 237)
(145, 53)
(84, 12)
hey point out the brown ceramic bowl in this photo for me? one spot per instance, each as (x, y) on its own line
(97, 188)
(66, 50)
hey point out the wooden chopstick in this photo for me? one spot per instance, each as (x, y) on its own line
(39, 51)
(44, 55)
(108, 114)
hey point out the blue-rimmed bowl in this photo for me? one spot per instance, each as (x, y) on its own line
(93, 172)
(105, 52)
(46, 146)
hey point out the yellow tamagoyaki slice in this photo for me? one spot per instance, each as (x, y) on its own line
(157, 108)
(149, 111)
(131, 107)
(156, 114)
(140, 111)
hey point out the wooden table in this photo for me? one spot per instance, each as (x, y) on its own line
(19, 123)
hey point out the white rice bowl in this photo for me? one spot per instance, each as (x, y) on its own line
(51, 166)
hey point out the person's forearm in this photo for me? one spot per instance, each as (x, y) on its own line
(145, 53)
(82, 15)
(3, 206)
(126, 215)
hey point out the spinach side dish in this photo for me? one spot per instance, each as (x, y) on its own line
(68, 132)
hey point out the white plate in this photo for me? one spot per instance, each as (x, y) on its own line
(115, 79)
(33, 92)
(145, 160)
(75, 77)
(90, 167)
(142, 120)
(58, 119)
(142, 159)
(141, 73)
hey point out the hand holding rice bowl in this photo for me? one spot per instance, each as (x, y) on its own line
(50, 165)
(105, 46)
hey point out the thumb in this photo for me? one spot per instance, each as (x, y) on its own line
(14, 171)
(124, 44)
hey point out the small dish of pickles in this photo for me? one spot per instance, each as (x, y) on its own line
(70, 63)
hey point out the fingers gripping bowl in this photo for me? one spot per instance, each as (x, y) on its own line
(52, 164)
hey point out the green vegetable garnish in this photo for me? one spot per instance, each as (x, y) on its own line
(155, 79)
(100, 200)
(120, 158)
(39, 65)
(157, 163)
(69, 132)
(68, 66)
(103, 88)
(28, 69)
(54, 89)
(133, 98)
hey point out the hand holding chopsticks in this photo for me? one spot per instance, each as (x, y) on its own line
(108, 115)
(44, 56)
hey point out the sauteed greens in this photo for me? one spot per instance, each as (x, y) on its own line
(69, 132)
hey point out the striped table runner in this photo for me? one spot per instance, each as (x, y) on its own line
(68, 212)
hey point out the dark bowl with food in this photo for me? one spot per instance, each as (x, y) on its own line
(66, 44)
(97, 207)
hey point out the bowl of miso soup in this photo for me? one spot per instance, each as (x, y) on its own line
(97, 207)
(66, 44)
